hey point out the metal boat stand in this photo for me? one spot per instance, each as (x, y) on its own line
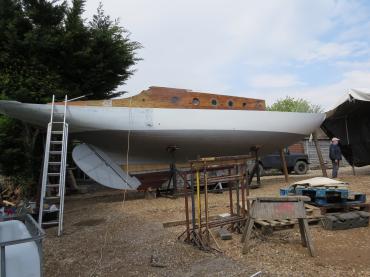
(198, 223)
(173, 172)
(255, 171)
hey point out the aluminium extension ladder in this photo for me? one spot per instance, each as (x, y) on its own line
(54, 170)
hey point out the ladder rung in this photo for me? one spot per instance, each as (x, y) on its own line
(52, 185)
(54, 173)
(57, 132)
(54, 163)
(56, 209)
(55, 152)
(58, 122)
(48, 223)
(52, 197)
(56, 142)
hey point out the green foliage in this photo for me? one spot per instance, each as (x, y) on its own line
(47, 48)
(290, 104)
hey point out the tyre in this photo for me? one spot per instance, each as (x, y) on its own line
(301, 167)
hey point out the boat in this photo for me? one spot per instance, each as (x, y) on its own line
(159, 126)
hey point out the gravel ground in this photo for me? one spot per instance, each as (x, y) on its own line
(106, 236)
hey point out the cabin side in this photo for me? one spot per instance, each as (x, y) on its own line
(173, 98)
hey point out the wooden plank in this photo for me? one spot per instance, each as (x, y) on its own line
(280, 198)
(287, 221)
(183, 222)
(319, 155)
(263, 223)
(278, 210)
(8, 203)
(246, 234)
(229, 161)
(302, 232)
(275, 223)
(308, 237)
(278, 214)
(312, 210)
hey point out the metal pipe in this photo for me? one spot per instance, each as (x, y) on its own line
(242, 179)
(186, 210)
(231, 195)
(3, 272)
(44, 174)
(79, 97)
(206, 201)
(257, 167)
(353, 160)
(247, 187)
(237, 193)
(192, 199)
(199, 202)
(52, 109)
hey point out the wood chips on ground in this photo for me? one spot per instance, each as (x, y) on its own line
(105, 236)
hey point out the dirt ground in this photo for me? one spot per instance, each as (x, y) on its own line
(106, 236)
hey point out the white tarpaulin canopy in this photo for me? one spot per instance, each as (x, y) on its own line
(360, 94)
(352, 95)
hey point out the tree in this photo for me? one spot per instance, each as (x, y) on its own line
(290, 104)
(47, 48)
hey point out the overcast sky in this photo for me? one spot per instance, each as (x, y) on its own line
(263, 49)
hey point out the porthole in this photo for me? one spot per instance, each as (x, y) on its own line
(174, 99)
(195, 101)
(230, 103)
(244, 105)
(214, 102)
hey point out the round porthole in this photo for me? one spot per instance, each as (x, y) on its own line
(214, 102)
(244, 105)
(195, 101)
(230, 103)
(174, 99)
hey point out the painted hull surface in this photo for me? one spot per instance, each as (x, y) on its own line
(148, 132)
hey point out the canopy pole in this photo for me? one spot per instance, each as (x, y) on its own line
(353, 158)
(284, 165)
(319, 154)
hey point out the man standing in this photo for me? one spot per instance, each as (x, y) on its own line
(335, 156)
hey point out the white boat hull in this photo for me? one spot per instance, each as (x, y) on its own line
(197, 132)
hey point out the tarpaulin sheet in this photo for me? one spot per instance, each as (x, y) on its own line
(350, 122)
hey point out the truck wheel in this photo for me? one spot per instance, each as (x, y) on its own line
(301, 167)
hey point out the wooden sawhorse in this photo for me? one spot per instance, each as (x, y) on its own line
(271, 208)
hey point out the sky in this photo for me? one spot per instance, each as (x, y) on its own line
(310, 49)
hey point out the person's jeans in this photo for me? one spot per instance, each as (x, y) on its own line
(335, 169)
